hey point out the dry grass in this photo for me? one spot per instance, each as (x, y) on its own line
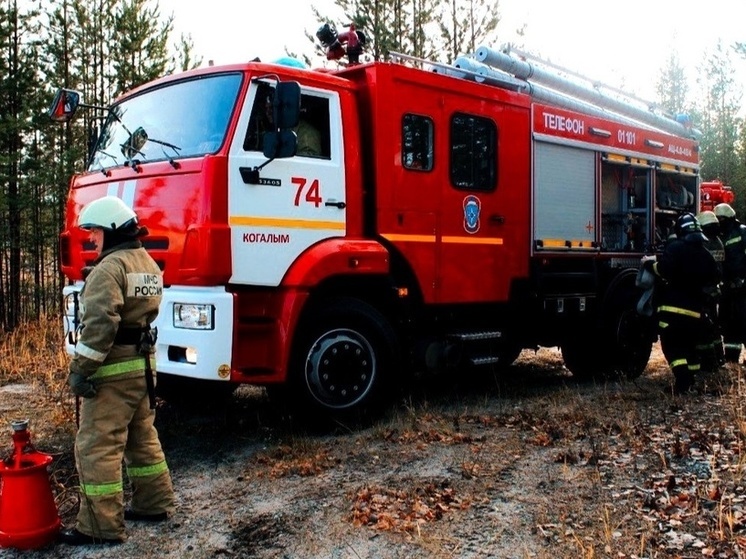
(33, 383)
(34, 354)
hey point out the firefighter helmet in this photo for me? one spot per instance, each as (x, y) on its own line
(706, 218)
(687, 224)
(105, 213)
(724, 210)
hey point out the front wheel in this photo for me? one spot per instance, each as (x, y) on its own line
(344, 355)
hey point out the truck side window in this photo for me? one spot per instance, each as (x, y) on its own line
(473, 152)
(417, 142)
(260, 120)
(312, 130)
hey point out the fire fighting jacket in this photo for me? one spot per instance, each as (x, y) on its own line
(121, 294)
(734, 241)
(691, 277)
(715, 245)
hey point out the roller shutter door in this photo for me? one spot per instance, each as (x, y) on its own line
(564, 193)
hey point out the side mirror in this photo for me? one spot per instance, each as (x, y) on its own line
(286, 105)
(64, 105)
(279, 145)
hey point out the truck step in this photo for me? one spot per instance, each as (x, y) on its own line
(476, 336)
(487, 360)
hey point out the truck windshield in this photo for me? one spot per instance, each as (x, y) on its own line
(184, 119)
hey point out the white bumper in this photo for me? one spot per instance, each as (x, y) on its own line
(213, 348)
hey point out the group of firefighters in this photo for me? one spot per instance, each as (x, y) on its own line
(700, 295)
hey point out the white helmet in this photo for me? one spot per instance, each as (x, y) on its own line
(707, 217)
(108, 212)
(724, 210)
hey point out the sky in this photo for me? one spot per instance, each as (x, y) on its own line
(623, 44)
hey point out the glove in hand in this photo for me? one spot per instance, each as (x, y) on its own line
(81, 386)
(648, 265)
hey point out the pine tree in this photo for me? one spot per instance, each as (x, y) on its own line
(721, 102)
(465, 25)
(143, 41)
(19, 83)
(672, 87)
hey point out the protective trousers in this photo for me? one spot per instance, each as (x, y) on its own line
(732, 313)
(679, 335)
(710, 346)
(118, 423)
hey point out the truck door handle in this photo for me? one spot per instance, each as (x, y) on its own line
(340, 205)
(499, 219)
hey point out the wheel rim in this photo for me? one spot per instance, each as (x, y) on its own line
(340, 368)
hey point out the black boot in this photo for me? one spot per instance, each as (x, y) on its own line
(72, 536)
(130, 514)
(684, 381)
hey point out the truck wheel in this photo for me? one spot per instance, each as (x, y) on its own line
(632, 342)
(581, 357)
(344, 356)
(509, 354)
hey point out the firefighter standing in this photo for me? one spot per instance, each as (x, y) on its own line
(733, 302)
(713, 352)
(690, 279)
(119, 302)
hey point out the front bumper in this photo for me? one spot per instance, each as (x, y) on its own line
(213, 348)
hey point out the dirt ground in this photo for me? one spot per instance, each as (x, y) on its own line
(528, 464)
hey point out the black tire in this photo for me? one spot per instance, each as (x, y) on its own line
(580, 355)
(620, 344)
(508, 355)
(630, 337)
(343, 358)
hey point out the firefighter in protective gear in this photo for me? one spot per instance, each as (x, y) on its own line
(690, 281)
(119, 301)
(713, 352)
(733, 301)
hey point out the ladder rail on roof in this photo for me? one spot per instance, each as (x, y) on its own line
(462, 68)
(536, 74)
(651, 105)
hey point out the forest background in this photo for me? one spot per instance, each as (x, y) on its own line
(104, 48)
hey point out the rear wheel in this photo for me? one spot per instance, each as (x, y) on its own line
(581, 357)
(621, 343)
(631, 339)
(344, 356)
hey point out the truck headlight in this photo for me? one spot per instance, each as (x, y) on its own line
(193, 316)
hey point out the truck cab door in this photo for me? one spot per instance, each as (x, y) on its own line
(483, 238)
(297, 201)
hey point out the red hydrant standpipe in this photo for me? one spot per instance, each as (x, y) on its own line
(21, 439)
(28, 514)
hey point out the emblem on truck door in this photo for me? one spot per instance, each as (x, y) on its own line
(472, 207)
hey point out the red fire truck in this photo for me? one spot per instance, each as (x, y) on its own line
(449, 217)
(713, 193)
